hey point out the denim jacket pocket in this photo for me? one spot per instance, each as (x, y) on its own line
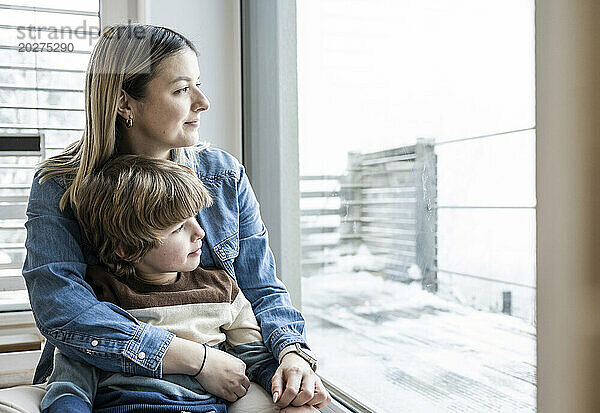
(227, 250)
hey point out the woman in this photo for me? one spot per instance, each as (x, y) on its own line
(142, 97)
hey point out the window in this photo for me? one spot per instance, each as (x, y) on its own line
(417, 164)
(44, 51)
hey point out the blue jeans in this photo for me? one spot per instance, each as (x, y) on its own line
(76, 387)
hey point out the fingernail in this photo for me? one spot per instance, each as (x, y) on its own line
(275, 397)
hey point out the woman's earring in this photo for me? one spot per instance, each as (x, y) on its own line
(129, 122)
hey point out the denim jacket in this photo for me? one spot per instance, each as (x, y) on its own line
(99, 333)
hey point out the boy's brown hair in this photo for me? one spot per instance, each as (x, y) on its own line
(130, 200)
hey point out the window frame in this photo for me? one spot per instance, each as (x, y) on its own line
(270, 141)
(270, 128)
(14, 282)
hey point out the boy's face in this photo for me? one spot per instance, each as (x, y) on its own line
(179, 251)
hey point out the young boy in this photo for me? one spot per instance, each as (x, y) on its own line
(139, 214)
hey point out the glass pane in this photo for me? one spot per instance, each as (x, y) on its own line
(67, 119)
(85, 5)
(66, 80)
(12, 57)
(41, 98)
(417, 163)
(14, 37)
(62, 60)
(31, 23)
(56, 60)
(16, 176)
(61, 139)
(9, 231)
(23, 110)
(21, 116)
(14, 76)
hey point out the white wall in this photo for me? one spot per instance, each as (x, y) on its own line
(214, 28)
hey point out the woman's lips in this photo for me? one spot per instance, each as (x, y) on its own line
(194, 123)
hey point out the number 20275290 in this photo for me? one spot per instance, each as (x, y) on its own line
(46, 47)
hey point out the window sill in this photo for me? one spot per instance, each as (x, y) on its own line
(342, 401)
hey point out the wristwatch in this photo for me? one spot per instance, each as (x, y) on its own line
(302, 351)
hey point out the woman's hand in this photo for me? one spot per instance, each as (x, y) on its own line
(301, 409)
(295, 383)
(223, 375)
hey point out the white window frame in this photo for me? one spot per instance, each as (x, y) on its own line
(21, 340)
(11, 279)
(270, 127)
(270, 140)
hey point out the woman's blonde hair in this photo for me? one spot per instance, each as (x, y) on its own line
(126, 57)
(127, 202)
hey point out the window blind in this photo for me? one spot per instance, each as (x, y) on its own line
(44, 52)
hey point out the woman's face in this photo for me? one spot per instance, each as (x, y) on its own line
(168, 117)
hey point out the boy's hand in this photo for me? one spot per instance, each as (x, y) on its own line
(223, 375)
(295, 383)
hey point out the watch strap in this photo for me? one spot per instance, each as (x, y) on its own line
(302, 351)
